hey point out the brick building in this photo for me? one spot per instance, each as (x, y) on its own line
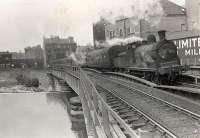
(32, 57)
(35, 52)
(56, 47)
(5, 60)
(18, 55)
(124, 27)
(173, 20)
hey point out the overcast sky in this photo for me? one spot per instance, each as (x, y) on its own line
(24, 22)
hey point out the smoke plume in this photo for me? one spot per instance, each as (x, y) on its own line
(139, 9)
(92, 10)
(120, 41)
(80, 55)
(81, 15)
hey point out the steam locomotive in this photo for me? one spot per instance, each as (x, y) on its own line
(154, 61)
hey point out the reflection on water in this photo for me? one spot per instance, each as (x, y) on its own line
(58, 98)
(34, 115)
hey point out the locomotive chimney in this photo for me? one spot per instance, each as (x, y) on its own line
(161, 35)
(151, 38)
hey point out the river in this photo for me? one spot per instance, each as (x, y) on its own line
(33, 115)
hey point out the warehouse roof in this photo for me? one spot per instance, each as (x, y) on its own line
(171, 8)
(58, 40)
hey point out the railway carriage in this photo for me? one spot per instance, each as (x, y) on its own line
(99, 59)
(103, 58)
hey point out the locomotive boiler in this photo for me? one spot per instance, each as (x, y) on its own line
(153, 61)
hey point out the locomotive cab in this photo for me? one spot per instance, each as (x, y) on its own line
(168, 62)
(167, 52)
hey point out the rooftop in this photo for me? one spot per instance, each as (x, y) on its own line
(171, 8)
(58, 40)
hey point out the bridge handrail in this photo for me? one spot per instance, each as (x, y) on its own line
(115, 115)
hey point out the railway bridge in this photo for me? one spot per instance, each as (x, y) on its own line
(109, 114)
(100, 120)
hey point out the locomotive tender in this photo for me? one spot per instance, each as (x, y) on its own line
(153, 61)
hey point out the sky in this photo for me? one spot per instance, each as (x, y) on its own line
(25, 22)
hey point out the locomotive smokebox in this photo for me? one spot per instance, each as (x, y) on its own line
(161, 34)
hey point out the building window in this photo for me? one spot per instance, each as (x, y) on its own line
(117, 31)
(128, 30)
(112, 34)
(120, 32)
(48, 50)
(132, 31)
(183, 27)
(107, 33)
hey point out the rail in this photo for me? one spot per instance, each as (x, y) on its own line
(186, 88)
(136, 99)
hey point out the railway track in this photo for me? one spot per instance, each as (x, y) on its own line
(143, 111)
(188, 90)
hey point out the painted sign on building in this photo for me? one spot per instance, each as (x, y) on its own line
(189, 49)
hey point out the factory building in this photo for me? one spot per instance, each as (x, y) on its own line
(173, 19)
(32, 57)
(56, 48)
(35, 52)
(123, 28)
(5, 60)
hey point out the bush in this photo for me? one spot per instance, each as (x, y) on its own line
(28, 82)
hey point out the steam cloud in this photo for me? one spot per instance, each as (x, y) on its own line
(81, 15)
(91, 10)
(79, 57)
(120, 41)
(133, 8)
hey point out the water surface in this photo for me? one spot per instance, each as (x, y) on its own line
(33, 116)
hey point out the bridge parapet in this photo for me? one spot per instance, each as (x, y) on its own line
(101, 121)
